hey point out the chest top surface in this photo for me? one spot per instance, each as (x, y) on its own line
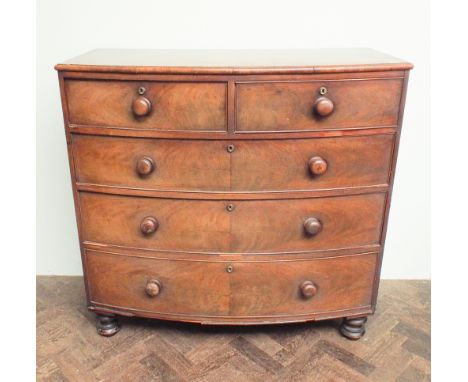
(233, 61)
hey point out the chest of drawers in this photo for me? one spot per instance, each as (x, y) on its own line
(233, 187)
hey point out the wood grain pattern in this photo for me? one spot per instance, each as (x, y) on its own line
(274, 165)
(259, 165)
(278, 225)
(179, 164)
(397, 346)
(280, 106)
(265, 289)
(261, 226)
(175, 105)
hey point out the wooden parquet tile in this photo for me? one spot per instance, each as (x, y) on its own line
(396, 346)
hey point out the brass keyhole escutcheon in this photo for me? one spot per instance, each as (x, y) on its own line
(230, 207)
(230, 148)
(141, 90)
(229, 269)
(323, 90)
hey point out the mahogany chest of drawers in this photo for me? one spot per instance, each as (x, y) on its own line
(233, 187)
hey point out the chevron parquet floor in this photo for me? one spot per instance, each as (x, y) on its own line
(396, 346)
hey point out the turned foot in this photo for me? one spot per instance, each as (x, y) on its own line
(353, 328)
(107, 325)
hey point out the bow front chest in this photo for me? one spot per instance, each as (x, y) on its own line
(233, 187)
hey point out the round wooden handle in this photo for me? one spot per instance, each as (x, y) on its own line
(312, 226)
(153, 287)
(145, 166)
(323, 106)
(308, 289)
(318, 165)
(149, 225)
(141, 106)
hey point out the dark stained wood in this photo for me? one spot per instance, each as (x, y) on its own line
(250, 226)
(233, 61)
(282, 106)
(278, 225)
(107, 325)
(250, 289)
(253, 166)
(178, 164)
(353, 328)
(276, 165)
(121, 281)
(225, 187)
(174, 106)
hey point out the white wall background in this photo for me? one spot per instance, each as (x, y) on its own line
(66, 28)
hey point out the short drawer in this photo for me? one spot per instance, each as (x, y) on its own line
(244, 226)
(157, 164)
(239, 289)
(317, 105)
(185, 106)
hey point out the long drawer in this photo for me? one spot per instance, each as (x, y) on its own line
(244, 165)
(263, 226)
(238, 289)
(317, 105)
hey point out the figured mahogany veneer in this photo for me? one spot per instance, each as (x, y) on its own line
(205, 290)
(276, 106)
(213, 226)
(252, 165)
(165, 105)
(233, 187)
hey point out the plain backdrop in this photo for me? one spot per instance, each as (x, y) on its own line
(67, 28)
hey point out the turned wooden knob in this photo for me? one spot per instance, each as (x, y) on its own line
(149, 225)
(141, 106)
(323, 106)
(145, 166)
(153, 287)
(312, 226)
(317, 165)
(308, 289)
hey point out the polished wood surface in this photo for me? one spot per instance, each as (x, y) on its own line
(254, 165)
(233, 61)
(279, 106)
(233, 187)
(174, 106)
(263, 226)
(251, 289)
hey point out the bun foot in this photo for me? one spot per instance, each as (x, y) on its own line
(353, 328)
(107, 325)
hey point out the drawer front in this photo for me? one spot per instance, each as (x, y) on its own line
(238, 289)
(287, 287)
(254, 165)
(311, 164)
(185, 106)
(278, 225)
(152, 164)
(184, 286)
(195, 225)
(248, 227)
(282, 106)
